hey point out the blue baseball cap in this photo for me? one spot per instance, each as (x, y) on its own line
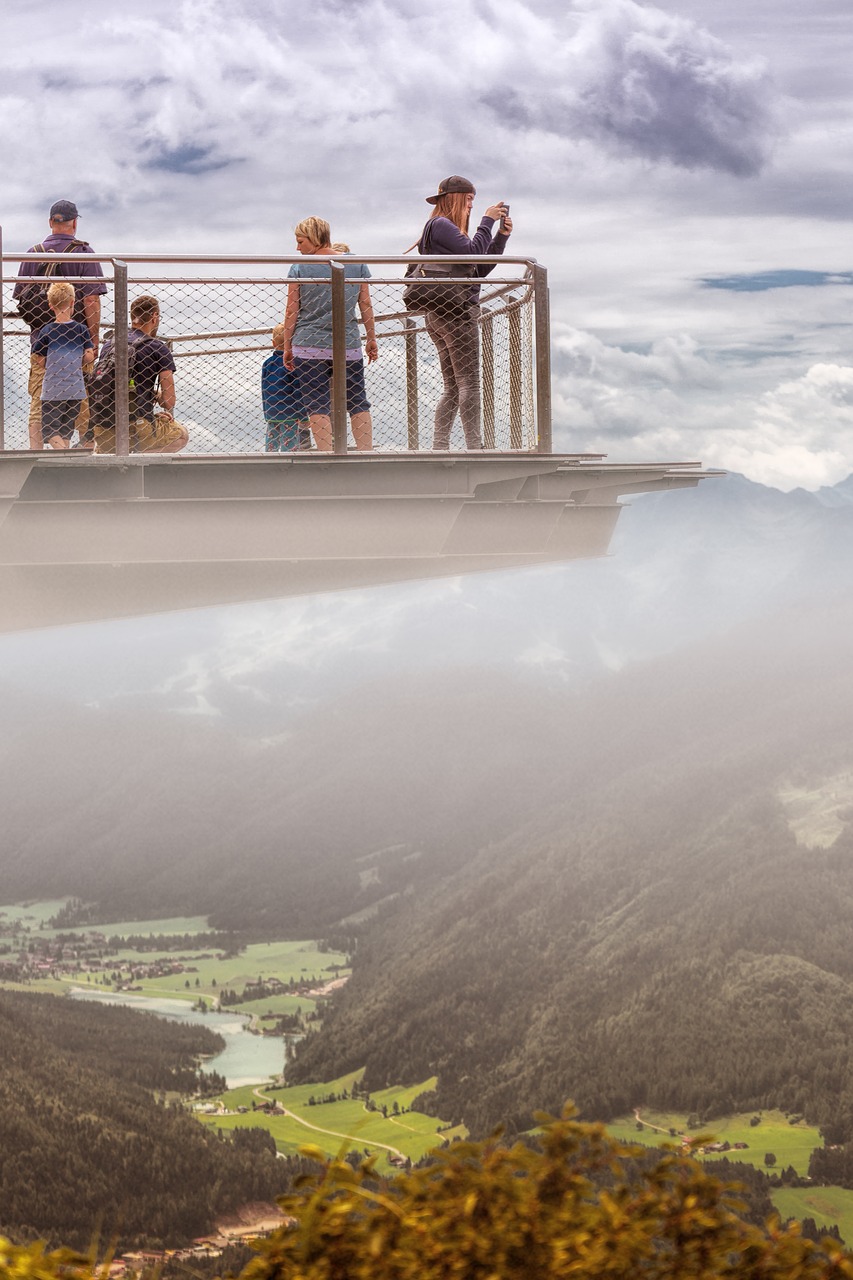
(63, 211)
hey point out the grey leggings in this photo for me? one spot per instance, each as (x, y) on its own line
(457, 340)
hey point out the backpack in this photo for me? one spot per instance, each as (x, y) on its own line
(102, 388)
(32, 300)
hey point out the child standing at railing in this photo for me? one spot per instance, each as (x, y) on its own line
(286, 419)
(62, 347)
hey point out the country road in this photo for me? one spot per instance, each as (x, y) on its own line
(333, 1133)
(657, 1128)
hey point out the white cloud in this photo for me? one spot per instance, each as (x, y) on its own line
(642, 405)
(661, 87)
(229, 104)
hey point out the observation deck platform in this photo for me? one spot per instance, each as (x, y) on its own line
(87, 537)
(84, 538)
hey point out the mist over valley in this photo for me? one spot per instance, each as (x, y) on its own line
(568, 795)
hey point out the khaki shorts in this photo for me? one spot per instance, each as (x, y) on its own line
(145, 437)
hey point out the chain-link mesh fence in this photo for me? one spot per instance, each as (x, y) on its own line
(461, 373)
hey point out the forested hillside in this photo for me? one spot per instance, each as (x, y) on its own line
(655, 934)
(86, 1147)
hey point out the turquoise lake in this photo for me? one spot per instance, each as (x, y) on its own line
(246, 1058)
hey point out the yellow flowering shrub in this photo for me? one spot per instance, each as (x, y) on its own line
(578, 1206)
(33, 1262)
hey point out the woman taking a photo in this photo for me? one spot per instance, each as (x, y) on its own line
(308, 335)
(455, 330)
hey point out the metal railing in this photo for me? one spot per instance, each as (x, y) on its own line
(218, 326)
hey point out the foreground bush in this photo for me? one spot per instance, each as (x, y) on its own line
(33, 1262)
(580, 1206)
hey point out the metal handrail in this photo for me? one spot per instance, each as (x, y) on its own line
(402, 259)
(517, 291)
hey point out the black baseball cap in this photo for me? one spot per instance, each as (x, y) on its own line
(63, 211)
(454, 185)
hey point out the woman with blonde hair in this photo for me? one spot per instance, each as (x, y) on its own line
(455, 328)
(308, 335)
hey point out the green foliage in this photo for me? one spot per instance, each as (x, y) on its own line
(34, 1262)
(579, 1205)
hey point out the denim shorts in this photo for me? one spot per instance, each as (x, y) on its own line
(315, 385)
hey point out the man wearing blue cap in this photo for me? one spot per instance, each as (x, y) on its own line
(63, 241)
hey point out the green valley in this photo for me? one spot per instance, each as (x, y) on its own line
(336, 1115)
(789, 1139)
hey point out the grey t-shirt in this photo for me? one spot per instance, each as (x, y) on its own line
(314, 324)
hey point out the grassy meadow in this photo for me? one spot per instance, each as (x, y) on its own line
(30, 915)
(827, 1205)
(792, 1144)
(332, 1126)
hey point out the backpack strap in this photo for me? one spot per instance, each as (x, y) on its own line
(41, 267)
(50, 268)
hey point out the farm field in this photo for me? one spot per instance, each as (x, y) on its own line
(344, 1123)
(791, 1144)
(205, 973)
(299, 960)
(827, 1205)
(30, 915)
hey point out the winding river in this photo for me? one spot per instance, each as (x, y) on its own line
(246, 1058)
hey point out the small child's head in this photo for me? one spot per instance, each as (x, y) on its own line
(340, 247)
(278, 338)
(60, 296)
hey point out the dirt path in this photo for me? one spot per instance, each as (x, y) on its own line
(394, 1120)
(333, 1133)
(657, 1128)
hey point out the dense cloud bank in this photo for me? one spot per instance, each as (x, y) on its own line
(215, 90)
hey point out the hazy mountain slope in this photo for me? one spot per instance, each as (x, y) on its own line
(163, 813)
(657, 934)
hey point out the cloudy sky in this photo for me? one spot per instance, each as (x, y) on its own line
(682, 169)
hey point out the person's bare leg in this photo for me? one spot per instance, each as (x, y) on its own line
(321, 428)
(58, 442)
(362, 429)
